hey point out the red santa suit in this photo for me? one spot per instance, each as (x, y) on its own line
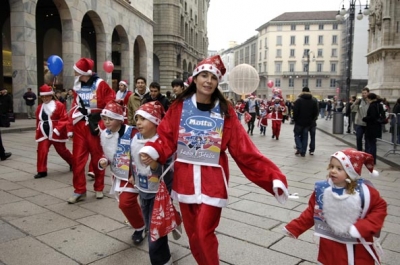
(202, 190)
(93, 95)
(124, 97)
(276, 114)
(51, 122)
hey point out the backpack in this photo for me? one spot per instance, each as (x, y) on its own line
(383, 114)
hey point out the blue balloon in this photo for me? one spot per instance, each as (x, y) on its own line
(55, 64)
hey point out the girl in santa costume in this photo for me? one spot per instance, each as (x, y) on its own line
(91, 94)
(201, 176)
(276, 110)
(123, 95)
(115, 141)
(346, 212)
(51, 129)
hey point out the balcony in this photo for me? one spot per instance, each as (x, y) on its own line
(311, 74)
(263, 73)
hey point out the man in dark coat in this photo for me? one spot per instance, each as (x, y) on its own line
(155, 95)
(6, 107)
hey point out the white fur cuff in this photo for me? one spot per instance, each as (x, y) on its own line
(56, 132)
(354, 232)
(277, 184)
(150, 151)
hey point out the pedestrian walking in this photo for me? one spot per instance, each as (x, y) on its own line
(361, 108)
(3, 154)
(6, 107)
(276, 109)
(30, 98)
(252, 107)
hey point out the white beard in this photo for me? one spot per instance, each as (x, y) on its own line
(49, 108)
(77, 83)
(341, 211)
(109, 142)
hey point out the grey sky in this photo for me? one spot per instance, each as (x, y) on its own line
(236, 20)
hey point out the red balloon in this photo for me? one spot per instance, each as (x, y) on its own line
(270, 83)
(108, 66)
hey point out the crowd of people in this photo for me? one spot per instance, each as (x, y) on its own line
(143, 135)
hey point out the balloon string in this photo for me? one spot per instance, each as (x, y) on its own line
(54, 81)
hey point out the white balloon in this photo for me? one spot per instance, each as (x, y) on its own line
(243, 79)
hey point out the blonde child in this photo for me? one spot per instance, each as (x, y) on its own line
(345, 210)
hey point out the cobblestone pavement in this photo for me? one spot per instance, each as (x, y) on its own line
(37, 226)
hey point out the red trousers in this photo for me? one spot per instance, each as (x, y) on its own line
(200, 222)
(129, 205)
(276, 127)
(43, 151)
(83, 144)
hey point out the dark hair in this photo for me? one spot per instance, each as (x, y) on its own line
(306, 89)
(140, 78)
(177, 82)
(155, 85)
(365, 89)
(223, 102)
(168, 93)
(372, 96)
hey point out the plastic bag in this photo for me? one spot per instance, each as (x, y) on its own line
(247, 117)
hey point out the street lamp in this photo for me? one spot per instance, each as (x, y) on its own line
(340, 17)
(307, 57)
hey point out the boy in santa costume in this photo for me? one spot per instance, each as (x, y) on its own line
(276, 109)
(91, 94)
(115, 141)
(201, 176)
(51, 129)
(346, 212)
(123, 95)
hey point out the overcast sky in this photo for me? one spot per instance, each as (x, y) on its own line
(236, 20)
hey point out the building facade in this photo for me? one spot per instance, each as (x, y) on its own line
(180, 38)
(384, 49)
(105, 30)
(298, 49)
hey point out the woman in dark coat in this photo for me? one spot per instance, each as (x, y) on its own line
(374, 128)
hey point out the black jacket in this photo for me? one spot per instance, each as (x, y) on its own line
(6, 104)
(160, 98)
(305, 110)
(374, 128)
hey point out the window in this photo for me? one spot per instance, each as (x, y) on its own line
(292, 40)
(334, 52)
(278, 67)
(305, 67)
(279, 27)
(319, 67)
(305, 53)
(305, 82)
(278, 53)
(321, 26)
(333, 83)
(291, 82)
(292, 27)
(265, 43)
(259, 68)
(320, 53)
(292, 52)
(278, 40)
(277, 82)
(306, 40)
(265, 54)
(318, 83)
(335, 26)
(306, 27)
(260, 44)
(265, 67)
(291, 67)
(320, 39)
(333, 67)
(334, 39)
(260, 56)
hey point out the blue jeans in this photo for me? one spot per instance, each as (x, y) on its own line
(370, 147)
(312, 138)
(322, 112)
(301, 138)
(158, 250)
(239, 115)
(360, 132)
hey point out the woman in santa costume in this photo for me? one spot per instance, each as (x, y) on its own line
(51, 129)
(346, 212)
(276, 109)
(201, 175)
(91, 94)
(123, 95)
(115, 141)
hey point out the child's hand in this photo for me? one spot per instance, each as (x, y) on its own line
(131, 180)
(103, 163)
(146, 159)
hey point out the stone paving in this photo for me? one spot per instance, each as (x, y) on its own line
(37, 226)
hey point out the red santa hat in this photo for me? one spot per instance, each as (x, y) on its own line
(152, 111)
(84, 66)
(353, 160)
(46, 90)
(188, 81)
(213, 65)
(123, 82)
(113, 110)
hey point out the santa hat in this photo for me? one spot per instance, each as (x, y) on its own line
(123, 82)
(188, 81)
(46, 90)
(213, 65)
(152, 111)
(113, 110)
(353, 160)
(84, 66)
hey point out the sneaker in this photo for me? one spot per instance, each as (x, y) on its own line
(138, 236)
(6, 155)
(311, 153)
(91, 174)
(40, 175)
(99, 195)
(76, 197)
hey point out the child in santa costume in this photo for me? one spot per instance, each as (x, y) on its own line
(276, 109)
(115, 141)
(346, 212)
(51, 129)
(201, 175)
(91, 94)
(123, 95)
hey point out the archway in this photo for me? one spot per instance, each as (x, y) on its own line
(140, 59)
(156, 68)
(5, 47)
(120, 55)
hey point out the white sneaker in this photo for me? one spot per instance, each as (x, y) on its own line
(99, 195)
(91, 174)
(76, 197)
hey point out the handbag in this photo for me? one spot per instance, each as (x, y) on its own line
(382, 117)
(11, 116)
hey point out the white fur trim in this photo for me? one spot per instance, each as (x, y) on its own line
(374, 174)
(122, 82)
(354, 232)
(277, 184)
(150, 151)
(112, 115)
(46, 93)
(109, 143)
(70, 134)
(56, 131)
(82, 72)
(147, 116)
(207, 68)
(199, 199)
(346, 163)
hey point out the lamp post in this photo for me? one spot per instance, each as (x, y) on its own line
(307, 57)
(340, 16)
